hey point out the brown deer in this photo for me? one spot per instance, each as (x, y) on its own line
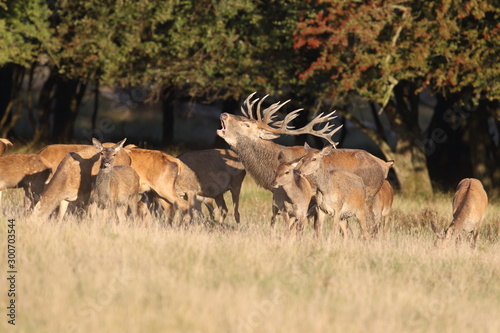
(3, 145)
(159, 172)
(72, 181)
(54, 154)
(382, 206)
(27, 171)
(250, 137)
(294, 196)
(469, 207)
(214, 172)
(116, 187)
(340, 193)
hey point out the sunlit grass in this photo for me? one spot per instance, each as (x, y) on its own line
(96, 276)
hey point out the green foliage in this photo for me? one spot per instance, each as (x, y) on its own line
(24, 31)
(442, 46)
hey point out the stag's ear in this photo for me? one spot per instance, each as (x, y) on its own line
(266, 135)
(119, 145)
(307, 147)
(281, 158)
(97, 144)
(326, 150)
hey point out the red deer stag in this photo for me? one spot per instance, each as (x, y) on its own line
(250, 137)
(469, 207)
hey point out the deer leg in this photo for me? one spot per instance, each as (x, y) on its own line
(475, 235)
(132, 205)
(209, 203)
(121, 213)
(169, 210)
(273, 217)
(372, 222)
(221, 204)
(363, 224)
(169, 194)
(344, 228)
(235, 195)
(63, 206)
(318, 221)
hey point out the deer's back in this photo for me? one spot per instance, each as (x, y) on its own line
(14, 168)
(469, 204)
(210, 172)
(361, 163)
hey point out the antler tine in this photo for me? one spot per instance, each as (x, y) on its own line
(325, 132)
(284, 124)
(249, 106)
(270, 112)
(259, 116)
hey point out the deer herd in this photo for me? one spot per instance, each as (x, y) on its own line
(306, 183)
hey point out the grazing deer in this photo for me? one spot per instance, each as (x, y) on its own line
(159, 172)
(382, 206)
(28, 171)
(3, 145)
(116, 187)
(250, 137)
(72, 181)
(340, 193)
(213, 172)
(292, 196)
(469, 207)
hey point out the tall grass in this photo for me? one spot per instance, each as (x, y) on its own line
(97, 276)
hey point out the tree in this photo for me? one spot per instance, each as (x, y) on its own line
(389, 51)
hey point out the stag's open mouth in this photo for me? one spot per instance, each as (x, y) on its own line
(222, 131)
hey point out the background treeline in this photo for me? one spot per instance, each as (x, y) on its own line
(322, 54)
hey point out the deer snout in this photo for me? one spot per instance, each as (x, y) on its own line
(274, 184)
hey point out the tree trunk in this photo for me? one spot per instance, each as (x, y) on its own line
(68, 96)
(168, 104)
(481, 146)
(409, 155)
(42, 131)
(6, 86)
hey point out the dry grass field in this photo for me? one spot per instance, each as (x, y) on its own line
(95, 276)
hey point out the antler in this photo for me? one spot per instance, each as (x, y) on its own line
(265, 119)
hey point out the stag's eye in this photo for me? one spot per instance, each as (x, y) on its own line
(287, 172)
(314, 159)
(246, 124)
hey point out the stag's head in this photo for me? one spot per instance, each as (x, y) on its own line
(263, 125)
(107, 153)
(284, 173)
(312, 160)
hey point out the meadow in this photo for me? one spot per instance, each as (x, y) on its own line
(86, 275)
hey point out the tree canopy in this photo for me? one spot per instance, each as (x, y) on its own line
(386, 51)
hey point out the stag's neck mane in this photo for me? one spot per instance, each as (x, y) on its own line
(260, 159)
